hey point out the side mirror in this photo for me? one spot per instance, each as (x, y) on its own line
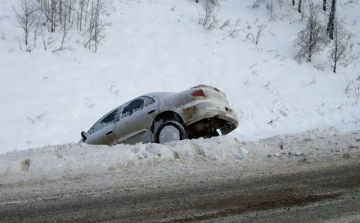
(83, 135)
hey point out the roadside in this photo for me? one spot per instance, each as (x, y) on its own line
(315, 172)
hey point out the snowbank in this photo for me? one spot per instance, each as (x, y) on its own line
(73, 160)
(80, 160)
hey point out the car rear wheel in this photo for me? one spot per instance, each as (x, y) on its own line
(170, 131)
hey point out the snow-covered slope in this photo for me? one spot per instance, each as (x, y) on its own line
(48, 98)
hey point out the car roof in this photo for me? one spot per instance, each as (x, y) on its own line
(159, 95)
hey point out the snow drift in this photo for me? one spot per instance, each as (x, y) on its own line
(74, 161)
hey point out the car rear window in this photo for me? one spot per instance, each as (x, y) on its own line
(149, 101)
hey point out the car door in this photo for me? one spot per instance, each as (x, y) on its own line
(103, 132)
(135, 122)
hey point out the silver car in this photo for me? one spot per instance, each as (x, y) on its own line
(164, 117)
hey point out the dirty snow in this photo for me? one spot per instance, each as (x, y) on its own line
(76, 161)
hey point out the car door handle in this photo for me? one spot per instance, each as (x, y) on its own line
(151, 111)
(109, 133)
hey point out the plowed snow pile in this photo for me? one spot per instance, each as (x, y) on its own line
(80, 160)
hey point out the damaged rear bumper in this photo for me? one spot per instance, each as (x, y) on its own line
(222, 116)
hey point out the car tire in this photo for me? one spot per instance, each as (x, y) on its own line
(170, 131)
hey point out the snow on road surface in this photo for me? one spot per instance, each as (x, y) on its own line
(79, 161)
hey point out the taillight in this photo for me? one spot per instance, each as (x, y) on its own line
(198, 93)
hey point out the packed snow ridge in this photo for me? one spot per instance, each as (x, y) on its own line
(80, 160)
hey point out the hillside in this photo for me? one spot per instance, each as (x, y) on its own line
(48, 98)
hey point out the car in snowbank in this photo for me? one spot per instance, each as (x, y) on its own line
(164, 117)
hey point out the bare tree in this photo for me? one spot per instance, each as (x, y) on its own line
(300, 6)
(271, 10)
(36, 31)
(227, 23)
(234, 29)
(209, 21)
(311, 40)
(87, 14)
(52, 11)
(82, 4)
(256, 4)
(256, 38)
(27, 17)
(324, 5)
(43, 38)
(65, 27)
(70, 9)
(259, 34)
(293, 2)
(330, 26)
(96, 24)
(53, 15)
(342, 47)
(61, 11)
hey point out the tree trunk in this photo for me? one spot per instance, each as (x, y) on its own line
(324, 5)
(60, 11)
(97, 17)
(47, 16)
(293, 2)
(336, 58)
(81, 13)
(70, 8)
(330, 26)
(310, 49)
(91, 22)
(300, 6)
(65, 29)
(26, 15)
(53, 15)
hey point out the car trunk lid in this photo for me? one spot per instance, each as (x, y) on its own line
(213, 94)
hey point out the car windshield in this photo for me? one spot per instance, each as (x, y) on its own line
(107, 120)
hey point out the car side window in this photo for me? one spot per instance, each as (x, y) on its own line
(132, 107)
(148, 101)
(104, 122)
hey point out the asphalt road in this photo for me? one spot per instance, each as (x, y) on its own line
(331, 195)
